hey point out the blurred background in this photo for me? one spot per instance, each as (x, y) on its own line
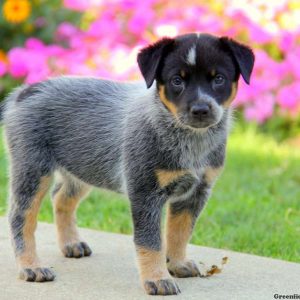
(255, 206)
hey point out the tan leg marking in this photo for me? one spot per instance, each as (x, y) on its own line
(179, 229)
(165, 177)
(28, 258)
(171, 106)
(154, 274)
(232, 95)
(211, 174)
(152, 264)
(65, 216)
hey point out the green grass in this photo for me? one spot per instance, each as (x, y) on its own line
(254, 207)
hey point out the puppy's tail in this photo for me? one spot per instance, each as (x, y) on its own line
(12, 97)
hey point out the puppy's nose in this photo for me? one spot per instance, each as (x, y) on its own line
(200, 110)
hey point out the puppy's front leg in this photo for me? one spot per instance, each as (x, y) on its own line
(146, 212)
(181, 218)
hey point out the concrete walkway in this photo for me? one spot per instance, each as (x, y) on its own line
(111, 273)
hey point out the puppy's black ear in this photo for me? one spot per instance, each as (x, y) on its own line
(150, 59)
(242, 55)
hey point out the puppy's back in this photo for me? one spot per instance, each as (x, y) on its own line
(79, 120)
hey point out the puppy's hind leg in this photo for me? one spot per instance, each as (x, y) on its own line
(66, 196)
(27, 192)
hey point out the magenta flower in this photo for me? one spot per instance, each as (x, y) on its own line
(287, 41)
(141, 19)
(79, 5)
(261, 110)
(65, 30)
(258, 34)
(34, 44)
(18, 62)
(3, 68)
(289, 96)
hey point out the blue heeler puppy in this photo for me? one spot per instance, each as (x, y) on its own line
(164, 144)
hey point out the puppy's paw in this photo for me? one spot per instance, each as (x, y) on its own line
(77, 250)
(183, 269)
(161, 287)
(36, 274)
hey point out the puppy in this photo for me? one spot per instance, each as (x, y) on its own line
(164, 144)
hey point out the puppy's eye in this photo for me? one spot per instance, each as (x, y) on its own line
(177, 81)
(219, 79)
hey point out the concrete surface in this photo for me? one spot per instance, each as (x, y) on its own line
(111, 273)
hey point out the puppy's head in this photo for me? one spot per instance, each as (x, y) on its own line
(196, 75)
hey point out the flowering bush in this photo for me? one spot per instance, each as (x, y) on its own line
(102, 38)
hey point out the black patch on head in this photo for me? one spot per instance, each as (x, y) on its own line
(29, 91)
(210, 56)
(208, 81)
(242, 55)
(150, 59)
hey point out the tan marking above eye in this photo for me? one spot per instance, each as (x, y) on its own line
(227, 103)
(170, 106)
(165, 177)
(213, 73)
(182, 73)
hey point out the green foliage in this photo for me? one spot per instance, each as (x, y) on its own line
(280, 128)
(254, 207)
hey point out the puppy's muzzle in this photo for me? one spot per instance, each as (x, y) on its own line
(202, 114)
(200, 110)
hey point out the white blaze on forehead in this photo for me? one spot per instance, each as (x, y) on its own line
(191, 56)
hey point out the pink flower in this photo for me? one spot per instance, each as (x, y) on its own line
(262, 109)
(34, 44)
(287, 41)
(79, 5)
(140, 20)
(289, 96)
(106, 29)
(3, 68)
(293, 62)
(258, 34)
(18, 62)
(66, 30)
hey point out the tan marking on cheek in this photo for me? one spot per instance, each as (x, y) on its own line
(28, 258)
(152, 264)
(232, 95)
(211, 174)
(179, 229)
(170, 106)
(165, 177)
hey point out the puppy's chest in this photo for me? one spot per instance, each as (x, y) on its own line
(180, 184)
(190, 163)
